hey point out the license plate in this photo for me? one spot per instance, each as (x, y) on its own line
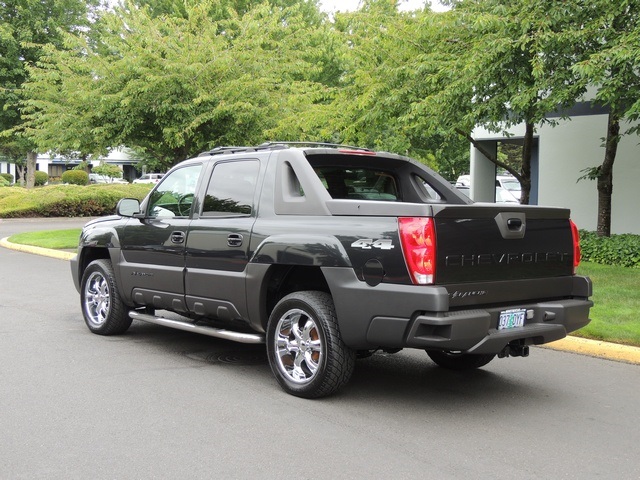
(512, 318)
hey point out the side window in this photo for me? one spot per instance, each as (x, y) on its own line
(426, 189)
(231, 189)
(174, 196)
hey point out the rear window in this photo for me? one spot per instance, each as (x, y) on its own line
(358, 183)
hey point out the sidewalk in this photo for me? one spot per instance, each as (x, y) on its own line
(582, 346)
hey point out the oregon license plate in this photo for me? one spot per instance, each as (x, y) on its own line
(512, 318)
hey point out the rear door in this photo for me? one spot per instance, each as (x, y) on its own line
(217, 249)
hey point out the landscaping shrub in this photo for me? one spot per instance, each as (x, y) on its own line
(4, 182)
(41, 178)
(8, 177)
(67, 200)
(619, 250)
(75, 177)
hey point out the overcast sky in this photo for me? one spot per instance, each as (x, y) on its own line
(344, 5)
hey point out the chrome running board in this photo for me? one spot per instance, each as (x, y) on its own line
(190, 327)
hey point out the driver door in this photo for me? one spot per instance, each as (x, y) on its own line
(153, 249)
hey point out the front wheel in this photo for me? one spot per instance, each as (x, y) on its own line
(103, 310)
(459, 361)
(304, 347)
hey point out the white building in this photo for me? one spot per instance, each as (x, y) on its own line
(55, 166)
(560, 155)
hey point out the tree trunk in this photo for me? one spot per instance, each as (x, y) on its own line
(605, 175)
(527, 149)
(20, 170)
(32, 158)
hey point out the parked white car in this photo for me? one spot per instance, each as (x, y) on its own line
(96, 178)
(510, 183)
(508, 188)
(149, 178)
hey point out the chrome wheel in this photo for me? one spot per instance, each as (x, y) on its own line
(298, 346)
(97, 300)
(103, 310)
(304, 346)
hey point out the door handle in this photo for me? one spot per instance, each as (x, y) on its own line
(234, 240)
(177, 237)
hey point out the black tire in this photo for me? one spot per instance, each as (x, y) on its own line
(102, 307)
(459, 361)
(304, 347)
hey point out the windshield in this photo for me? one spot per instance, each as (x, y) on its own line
(511, 184)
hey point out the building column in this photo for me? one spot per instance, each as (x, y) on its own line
(483, 173)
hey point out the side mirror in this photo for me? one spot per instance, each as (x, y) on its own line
(128, 207)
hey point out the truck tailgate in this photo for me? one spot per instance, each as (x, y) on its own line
(502, 243)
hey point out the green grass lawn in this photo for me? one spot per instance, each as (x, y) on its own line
(615, 316)
(59, 239)
(616, 290)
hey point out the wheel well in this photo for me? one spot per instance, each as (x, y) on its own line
(91, 254)
(286, 279)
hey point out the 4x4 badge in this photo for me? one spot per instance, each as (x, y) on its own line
(369, 243)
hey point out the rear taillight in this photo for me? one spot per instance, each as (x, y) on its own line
(576, 246)
(418, 238)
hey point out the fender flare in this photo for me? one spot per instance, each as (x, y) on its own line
(98, 237)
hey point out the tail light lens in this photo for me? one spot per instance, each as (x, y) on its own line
(576, 246)
(418, 238)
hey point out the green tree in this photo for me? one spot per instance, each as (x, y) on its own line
(226, 9)
(108, 170)
(173, 86)
(497, 64)
(25, 27)
(611, 38)
(370, 104)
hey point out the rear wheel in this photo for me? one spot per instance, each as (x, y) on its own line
(459, 361)
(102, 307)
(305, 350)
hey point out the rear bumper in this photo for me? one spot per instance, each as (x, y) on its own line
(407, 316)
(475, 331)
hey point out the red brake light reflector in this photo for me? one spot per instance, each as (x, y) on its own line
(357, 152)
(577, 253)
(418, 238)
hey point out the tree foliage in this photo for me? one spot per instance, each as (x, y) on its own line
(171, 78)
(25, 27)
(173, 86)
(496, 64)
(372, 105)
(108, 170)
(611, 36)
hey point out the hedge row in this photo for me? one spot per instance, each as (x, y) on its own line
(619, 250)
(67, 200)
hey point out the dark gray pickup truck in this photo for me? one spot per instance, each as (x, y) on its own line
(329, 253)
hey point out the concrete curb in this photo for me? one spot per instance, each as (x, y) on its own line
(46, 252)
(582, 346)
(596, 348)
